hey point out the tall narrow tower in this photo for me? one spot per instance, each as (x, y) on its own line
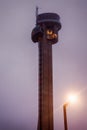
(46, 34)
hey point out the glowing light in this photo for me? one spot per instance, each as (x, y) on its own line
(54, 35)
(49, 32)
(72, 98)
(51, 35)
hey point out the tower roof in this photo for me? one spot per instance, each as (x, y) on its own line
(49, 19)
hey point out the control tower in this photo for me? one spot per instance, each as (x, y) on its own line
(46, 34)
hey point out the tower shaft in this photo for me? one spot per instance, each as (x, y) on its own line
(46, 34)
(45, 121)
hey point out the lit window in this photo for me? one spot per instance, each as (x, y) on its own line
(51, 35)
(49, 32)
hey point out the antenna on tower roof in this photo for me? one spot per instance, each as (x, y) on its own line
(36, 13)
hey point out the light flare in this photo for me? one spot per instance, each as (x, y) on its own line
(72, 98)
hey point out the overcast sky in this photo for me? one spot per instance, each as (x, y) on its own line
(19, 62)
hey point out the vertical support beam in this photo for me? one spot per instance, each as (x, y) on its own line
(45, 121)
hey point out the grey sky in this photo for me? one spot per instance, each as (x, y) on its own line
(19, 61)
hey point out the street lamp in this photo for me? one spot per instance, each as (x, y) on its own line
(65, 116)
(71, 99)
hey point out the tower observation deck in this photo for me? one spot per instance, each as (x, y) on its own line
(46, 34)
